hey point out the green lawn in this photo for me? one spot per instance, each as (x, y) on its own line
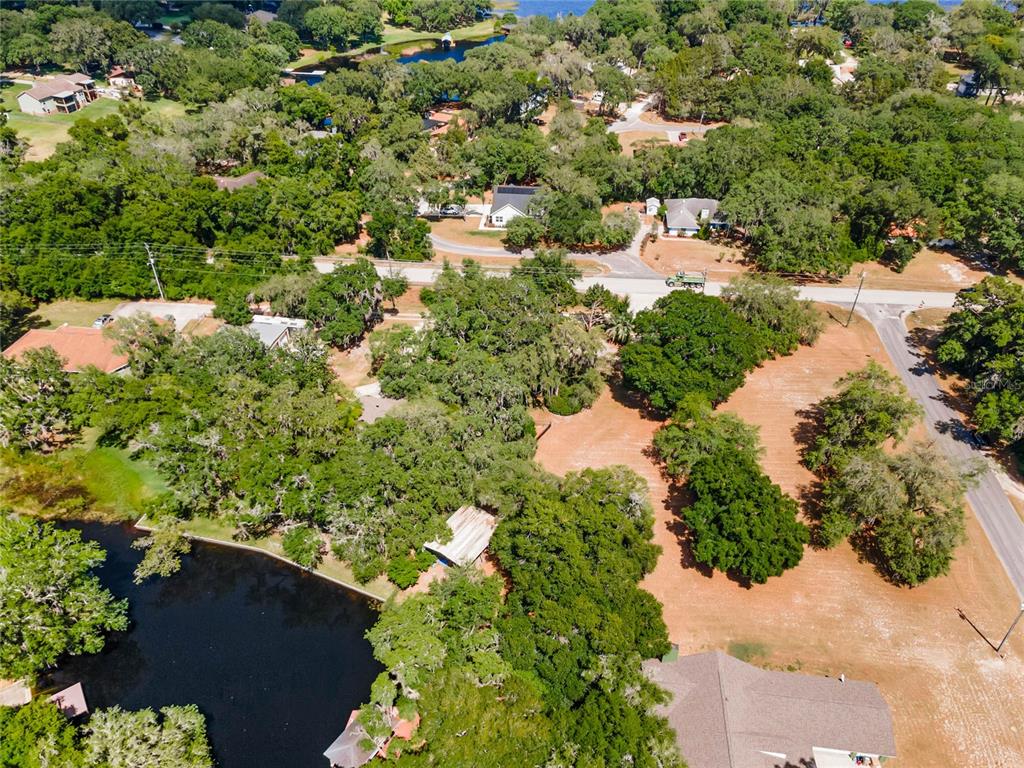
(82, 482)
(74, 312)
(45, 132)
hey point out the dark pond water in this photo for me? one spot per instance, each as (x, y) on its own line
(455, 52)
(274, 657)
(428, 50)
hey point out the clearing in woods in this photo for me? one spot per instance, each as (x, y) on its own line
(953, 700)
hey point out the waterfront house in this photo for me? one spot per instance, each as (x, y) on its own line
(730, 714)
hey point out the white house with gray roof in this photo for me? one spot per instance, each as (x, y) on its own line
(62, 94)
(510, 201)
(685, 216)
(730, 714)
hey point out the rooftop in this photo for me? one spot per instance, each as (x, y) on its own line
(79, 347)
(471, 529)
(515, 196)
(688, 212)
(730, 714)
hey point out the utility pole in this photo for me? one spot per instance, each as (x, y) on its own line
(1010, 630)
(863, 274)
(152, 265)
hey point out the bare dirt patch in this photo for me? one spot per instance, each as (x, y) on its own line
(953, 700)
(669, 255)
(628, 140)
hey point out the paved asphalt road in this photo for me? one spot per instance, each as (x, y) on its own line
(999, 519)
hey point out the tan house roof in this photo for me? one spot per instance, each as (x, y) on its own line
(62, 85)
(730, 714)
(79, 347)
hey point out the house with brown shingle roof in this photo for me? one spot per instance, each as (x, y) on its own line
(79, 348)
(730, 714)
(63, 94)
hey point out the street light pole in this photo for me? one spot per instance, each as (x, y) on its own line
(863, 274)
(1010, 630)
(152, 265)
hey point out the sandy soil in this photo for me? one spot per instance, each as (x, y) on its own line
(630, 139)
(352, 366)
(953, 700)
(669, 255)
(931, 270)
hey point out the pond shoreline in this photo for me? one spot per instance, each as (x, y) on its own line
(192, 536)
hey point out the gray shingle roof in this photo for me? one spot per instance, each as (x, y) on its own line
(517, 197)
(728, 714)
(685, 213)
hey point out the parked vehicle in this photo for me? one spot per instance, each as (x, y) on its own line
(102, 321)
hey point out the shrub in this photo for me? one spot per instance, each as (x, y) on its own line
(303, 545)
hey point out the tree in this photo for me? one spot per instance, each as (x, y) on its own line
(554, 273)
(15, 315)
(523, 232)
(34, 411)
(163, 546)
(771, 305)
(689, 343)
(696, 432)
(115, 738)
(303, 545)
(906, 509)
(983, 340)
(344, 304)
(393, 288)
(740, 521)
(50, 602)
(37, 735)
(871, 406)
(233, 308)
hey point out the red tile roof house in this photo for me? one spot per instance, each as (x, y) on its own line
(60, 94)
(79, 348)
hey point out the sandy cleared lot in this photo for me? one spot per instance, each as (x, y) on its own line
(931, 270)
(629, 139)
(953, 700)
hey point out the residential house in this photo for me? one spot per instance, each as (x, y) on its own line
(78, 347)
(471, 529)
(275, 331)
(354, 747)
(686, 216)
(123, 80)
(62, 94)
(730, 714)
(509, 202)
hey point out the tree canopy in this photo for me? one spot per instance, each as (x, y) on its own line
(689, 343)
(50, 602)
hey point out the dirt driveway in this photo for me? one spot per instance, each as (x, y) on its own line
(953, 700)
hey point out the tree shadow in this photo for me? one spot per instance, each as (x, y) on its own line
(633, 400)
(805, 432)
